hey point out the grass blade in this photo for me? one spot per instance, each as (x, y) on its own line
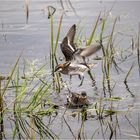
(10, 77)
(128, 73)
(94, 29)
(125, 80)
(58, 33)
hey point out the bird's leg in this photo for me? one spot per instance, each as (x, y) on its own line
(84, 60)
(82, 79)
(79, 77)
(92, 78)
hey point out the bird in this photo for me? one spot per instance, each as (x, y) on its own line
(71, 52)
(77, 99)
(71, 68)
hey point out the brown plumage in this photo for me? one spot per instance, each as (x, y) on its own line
(67, 45)
(69, 48)
(77, 99)
(71, 68)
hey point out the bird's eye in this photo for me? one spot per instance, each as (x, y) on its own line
(59, 69)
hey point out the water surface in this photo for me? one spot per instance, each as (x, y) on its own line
(33, 36)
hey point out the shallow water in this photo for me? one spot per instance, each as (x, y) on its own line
(34, 38)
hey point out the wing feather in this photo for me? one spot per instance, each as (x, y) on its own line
(71, 33)
(90, 50)
(67, 45)
(66, 50)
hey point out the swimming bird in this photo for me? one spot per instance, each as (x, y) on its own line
(71, 68)
(71, 52)
(77, 99)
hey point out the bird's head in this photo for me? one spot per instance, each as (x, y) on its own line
(60, 67)
(83, 93)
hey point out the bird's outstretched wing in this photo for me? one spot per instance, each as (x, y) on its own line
(90, 50)
(67, 45)
(67, 50)
(71, 34)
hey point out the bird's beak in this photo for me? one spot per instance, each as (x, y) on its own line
(56, 69)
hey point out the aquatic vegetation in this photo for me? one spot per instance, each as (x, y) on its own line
(53, 57)
(28, 100)
(125, 80)
(33, 99)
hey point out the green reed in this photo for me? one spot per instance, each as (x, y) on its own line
(3, 93)
(104, 54)
(54, 45)
(125, 80)
(10, 77)
(108, 57)
(58, 33)
(29, 102)
(43, 129)
(94, 29)
(16, 130)
(128, 73)
(30, 95)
